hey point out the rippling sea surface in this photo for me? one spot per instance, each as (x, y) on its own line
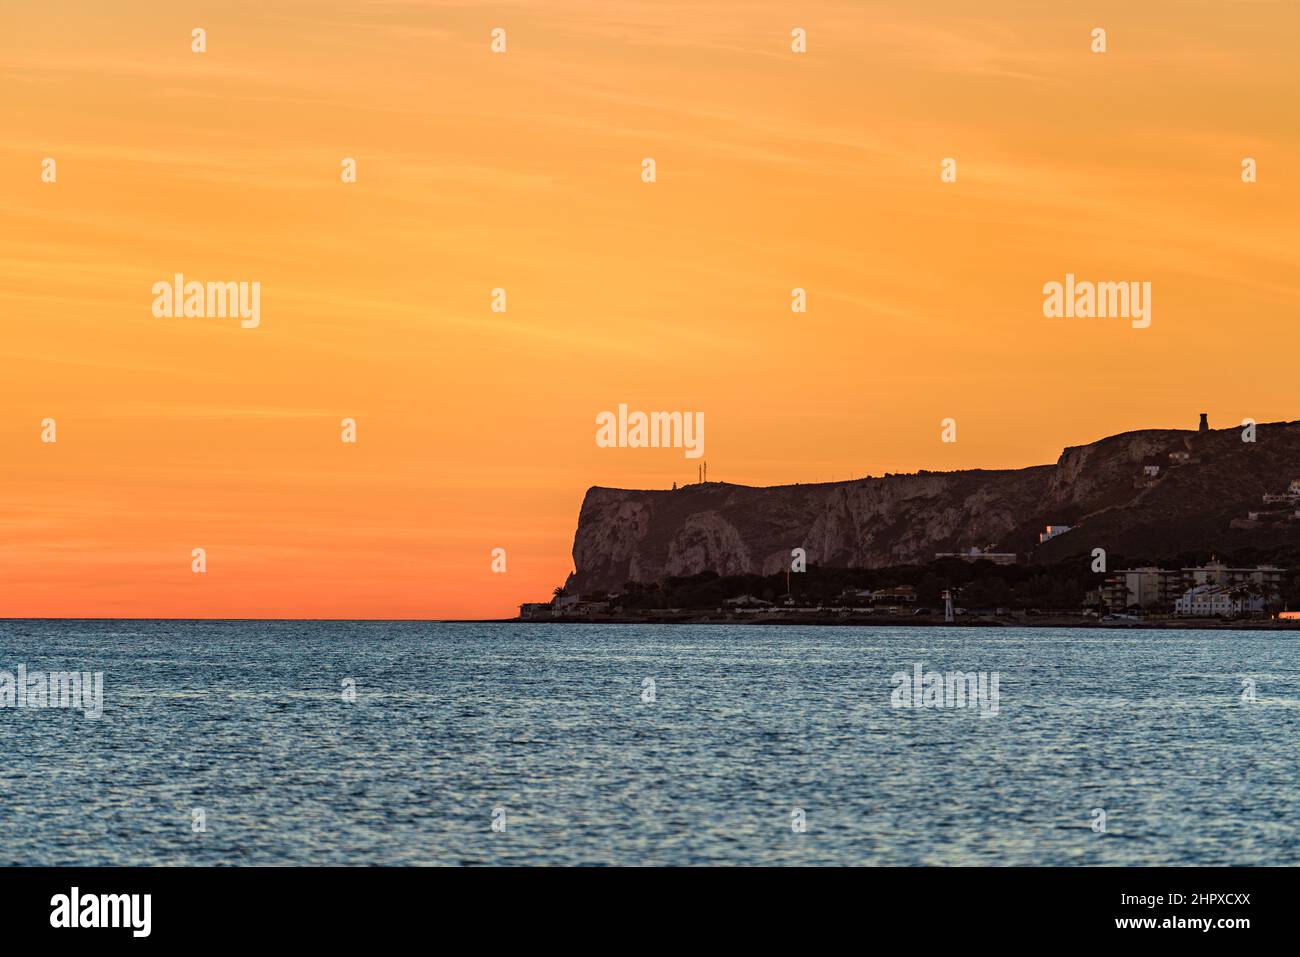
(247, 721)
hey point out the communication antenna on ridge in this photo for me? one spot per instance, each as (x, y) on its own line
(706, 471)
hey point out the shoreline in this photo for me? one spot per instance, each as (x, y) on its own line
(1046, 621)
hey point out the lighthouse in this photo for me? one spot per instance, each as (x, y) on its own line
(1205, 423)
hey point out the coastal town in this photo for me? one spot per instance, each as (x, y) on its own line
(1211, 592)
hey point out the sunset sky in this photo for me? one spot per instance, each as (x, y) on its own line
(522, 170)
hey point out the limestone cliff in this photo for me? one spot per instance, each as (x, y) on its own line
(1103, 489)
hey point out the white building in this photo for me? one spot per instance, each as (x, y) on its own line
(977, 554)
(1215, 601)
(1267, 577)
(1146, 587)
(1052, 532)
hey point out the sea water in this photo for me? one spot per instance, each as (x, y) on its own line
(250, 742)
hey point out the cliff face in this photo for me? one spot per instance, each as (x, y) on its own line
(1100, 488)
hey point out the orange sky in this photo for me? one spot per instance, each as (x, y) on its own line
(522, 171)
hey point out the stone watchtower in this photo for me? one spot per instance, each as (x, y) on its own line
(1205, 423)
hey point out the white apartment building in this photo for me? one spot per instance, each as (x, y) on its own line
(1215, 601)
(1151, 586)
(1267, 577)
